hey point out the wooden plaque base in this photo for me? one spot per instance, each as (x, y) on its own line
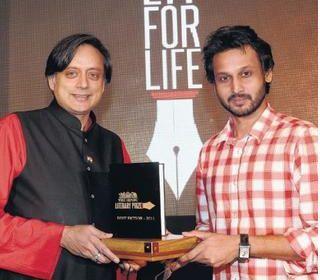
(150, 250)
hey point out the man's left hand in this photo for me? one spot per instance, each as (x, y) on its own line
(214, 250)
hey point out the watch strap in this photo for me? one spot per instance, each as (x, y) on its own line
(244, 239)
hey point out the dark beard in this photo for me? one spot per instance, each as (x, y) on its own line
(254, 105)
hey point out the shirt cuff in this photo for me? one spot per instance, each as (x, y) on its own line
(304, 243)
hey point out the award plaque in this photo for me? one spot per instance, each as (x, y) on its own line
(138, 214)
(137, 193)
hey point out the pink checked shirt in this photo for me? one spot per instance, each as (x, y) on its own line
(263, 184)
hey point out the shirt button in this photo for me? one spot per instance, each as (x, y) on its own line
(234, 187)
(89, 159)
(92, 196)
(88, 168)
(85, 140)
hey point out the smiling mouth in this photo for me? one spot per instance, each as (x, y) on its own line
(81, 97)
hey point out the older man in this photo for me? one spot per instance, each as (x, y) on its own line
(54, 191)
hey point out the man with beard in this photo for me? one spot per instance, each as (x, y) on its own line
(256, 179)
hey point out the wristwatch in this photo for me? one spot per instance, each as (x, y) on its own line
(244, 248)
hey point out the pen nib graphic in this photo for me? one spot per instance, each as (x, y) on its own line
(175, 142)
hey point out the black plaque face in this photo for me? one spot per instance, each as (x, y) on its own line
(136, 200)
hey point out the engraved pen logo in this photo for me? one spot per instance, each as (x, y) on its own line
(172, 57)
(129, 200)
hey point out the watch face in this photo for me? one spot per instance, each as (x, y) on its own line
(244, 252)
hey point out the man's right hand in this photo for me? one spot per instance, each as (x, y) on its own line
(85, 241)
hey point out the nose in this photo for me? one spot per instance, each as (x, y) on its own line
(237, 85)
(83, 81)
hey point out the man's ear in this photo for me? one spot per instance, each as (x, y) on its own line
(52, 82)
(268, 76)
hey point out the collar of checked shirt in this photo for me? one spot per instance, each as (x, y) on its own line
(257, 131)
